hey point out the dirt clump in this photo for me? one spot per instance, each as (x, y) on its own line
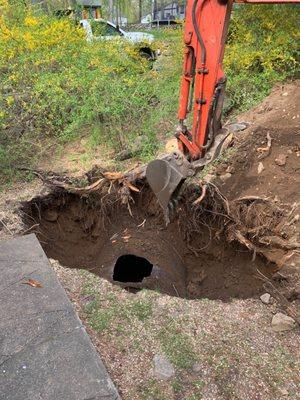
(272, 139)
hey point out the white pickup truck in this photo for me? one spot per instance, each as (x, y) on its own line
(100, 29)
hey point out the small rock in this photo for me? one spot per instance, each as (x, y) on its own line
(290, 151)
(284, 392)
(225, 177)
(281, 160)
(50, 215)
(285, 94)
(282, 322)
(265, 298)
(163, 369)
(238, 126)
(260, 167)
(197, 367)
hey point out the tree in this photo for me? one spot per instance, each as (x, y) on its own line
(140, 10)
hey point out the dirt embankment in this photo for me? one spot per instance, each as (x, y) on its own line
(245, 229)
(266, 164)
(241, 239)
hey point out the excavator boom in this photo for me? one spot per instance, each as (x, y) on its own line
(201, 93)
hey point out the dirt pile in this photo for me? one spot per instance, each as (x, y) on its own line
(265, 165)
(244, 229)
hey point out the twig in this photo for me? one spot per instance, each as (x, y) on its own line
(221, 195)
(129, 209)
(6, 227)
(176, 291)
(29, 229)
(142, 224)
(251, 198)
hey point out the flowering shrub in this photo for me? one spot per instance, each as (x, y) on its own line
(55, 85)
(262, 50)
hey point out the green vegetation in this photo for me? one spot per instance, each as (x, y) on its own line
(177, 346)
(56, 87)
(151, 390)
(263, 48)
(109, 312)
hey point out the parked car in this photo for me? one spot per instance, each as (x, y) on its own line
(100, 29)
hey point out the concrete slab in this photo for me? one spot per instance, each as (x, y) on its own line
(45, 352)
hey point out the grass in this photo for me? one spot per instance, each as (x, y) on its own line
(141, 309)
(151, 390)
(239, 357)
(110, 312)
(56, 86)
(177, 346)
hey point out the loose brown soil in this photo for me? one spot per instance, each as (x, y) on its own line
(227, 247)
(218, 249)
(187, 261)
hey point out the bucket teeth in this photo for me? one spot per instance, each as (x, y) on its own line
(165, 177)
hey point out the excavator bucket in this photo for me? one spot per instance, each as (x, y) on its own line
(165, 176)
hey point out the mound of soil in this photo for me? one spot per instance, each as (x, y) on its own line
(266, 164)
(229, 245)
(245, 229)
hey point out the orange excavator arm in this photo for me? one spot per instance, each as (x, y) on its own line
(203, 80)
(202, 92)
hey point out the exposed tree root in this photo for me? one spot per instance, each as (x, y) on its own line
(255, 222)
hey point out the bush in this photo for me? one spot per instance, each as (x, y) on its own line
(56, 86)
(262, 49)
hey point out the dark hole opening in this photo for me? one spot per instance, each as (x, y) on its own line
(131, 268)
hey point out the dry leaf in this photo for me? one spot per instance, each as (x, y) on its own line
(33, 283)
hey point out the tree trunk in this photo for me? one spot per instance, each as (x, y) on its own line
(140, 11)
(161, 9)
(111, 10)
(154, 16)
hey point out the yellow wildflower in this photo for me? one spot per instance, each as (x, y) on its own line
(10, 100)
(30, 21)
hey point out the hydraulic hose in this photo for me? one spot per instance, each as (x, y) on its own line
(198, 34)
(212, 134)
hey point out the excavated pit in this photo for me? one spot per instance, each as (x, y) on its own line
(130, 245)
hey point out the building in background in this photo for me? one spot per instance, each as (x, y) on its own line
(146, 19)
(90, 8)
(163, 14)
(82, 9)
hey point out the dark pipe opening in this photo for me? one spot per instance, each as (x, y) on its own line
(131, 268)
